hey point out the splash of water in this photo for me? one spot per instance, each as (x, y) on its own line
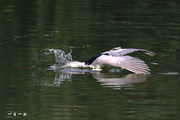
(60, 55)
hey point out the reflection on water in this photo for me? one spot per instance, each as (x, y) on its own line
(56, 81)
(105, 80)
(119, 82)
(169, 73)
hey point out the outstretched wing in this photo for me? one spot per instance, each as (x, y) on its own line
(121, 52)
(130, 63)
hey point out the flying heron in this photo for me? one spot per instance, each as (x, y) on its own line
(115, 57)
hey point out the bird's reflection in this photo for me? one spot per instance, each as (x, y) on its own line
(119, 82)
(107, 79)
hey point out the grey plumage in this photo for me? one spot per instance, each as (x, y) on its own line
(117, 57)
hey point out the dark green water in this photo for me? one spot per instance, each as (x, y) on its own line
(27, 27)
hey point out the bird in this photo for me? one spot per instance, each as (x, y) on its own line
(116, 57)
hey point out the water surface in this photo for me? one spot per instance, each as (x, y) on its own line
(29, 90)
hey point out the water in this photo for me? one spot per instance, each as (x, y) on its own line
(60, 56)
(32, 89)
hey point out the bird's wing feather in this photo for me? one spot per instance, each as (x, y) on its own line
(130, 63)
(122, 52)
